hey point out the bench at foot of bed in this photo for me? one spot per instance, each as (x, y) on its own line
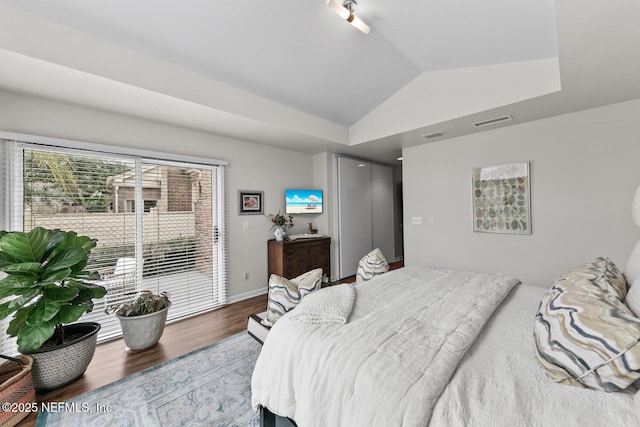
(269, 419)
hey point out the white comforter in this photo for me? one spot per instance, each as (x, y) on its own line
(389, 364)
(499, 382)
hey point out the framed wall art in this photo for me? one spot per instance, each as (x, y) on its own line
(250, 202)
(501, 198)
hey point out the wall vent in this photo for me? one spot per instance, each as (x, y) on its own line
(493, 121)
(433, 135)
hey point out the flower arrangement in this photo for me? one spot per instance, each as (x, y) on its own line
(279, 221)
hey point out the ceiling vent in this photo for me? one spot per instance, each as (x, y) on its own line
(493, 121)
(434, 135)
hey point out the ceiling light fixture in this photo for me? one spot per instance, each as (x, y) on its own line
(347, 11)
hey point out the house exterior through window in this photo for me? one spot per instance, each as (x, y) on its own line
(174, 244)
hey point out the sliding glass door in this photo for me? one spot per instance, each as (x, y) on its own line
(159, 223)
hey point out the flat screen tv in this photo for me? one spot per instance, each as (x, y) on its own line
(303, 201)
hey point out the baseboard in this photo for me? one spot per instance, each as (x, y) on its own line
(247, 295)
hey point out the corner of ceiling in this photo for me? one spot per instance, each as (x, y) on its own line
(438, 96)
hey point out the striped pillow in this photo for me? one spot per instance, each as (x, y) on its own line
(371, 265)
(584, 334)
(285, 294)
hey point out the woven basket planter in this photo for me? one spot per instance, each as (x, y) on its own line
(16, 388)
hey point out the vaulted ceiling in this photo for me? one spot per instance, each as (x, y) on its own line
(293, 74)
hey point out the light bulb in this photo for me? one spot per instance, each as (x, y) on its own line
(357, 22)
(348, 16)
(339, 9)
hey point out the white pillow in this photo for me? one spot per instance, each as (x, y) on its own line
(328, 305)
(632, 269)
(633, 297)
(371, 265)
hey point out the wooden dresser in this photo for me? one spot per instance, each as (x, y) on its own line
(291, 258)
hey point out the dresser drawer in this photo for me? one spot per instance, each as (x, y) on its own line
(292, 258)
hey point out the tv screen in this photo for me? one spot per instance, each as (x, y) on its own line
(303, 201)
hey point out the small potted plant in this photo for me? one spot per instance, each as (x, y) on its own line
(142, 319)
(280, 224)
(46, 287)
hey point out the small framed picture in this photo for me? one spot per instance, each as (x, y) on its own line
(250, 202)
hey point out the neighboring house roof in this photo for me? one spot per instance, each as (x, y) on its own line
(151, 177)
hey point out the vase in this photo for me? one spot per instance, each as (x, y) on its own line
(141, 332)
(280, 233)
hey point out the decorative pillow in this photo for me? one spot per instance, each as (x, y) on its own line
(603, 273)
(372, 264)
(632, 268)
(328, 305)
(285, 294)
(584, 334)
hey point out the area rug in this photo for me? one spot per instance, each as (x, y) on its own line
(207, 387)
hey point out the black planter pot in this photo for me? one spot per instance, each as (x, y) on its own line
(55, 367)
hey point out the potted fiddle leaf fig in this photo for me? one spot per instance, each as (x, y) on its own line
(142, 319)
(46, 288)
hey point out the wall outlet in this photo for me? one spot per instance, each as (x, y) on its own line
(417, 220)
(246, 275)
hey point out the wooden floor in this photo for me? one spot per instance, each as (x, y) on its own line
(111, 362)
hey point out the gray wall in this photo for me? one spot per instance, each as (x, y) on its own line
(585, 167)
(251, 167)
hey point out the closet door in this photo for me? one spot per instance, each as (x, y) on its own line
(382, 210)
(354, 214)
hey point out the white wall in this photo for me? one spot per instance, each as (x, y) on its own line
(251, 167)
(585, 167)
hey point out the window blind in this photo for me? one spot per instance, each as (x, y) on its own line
(159, 223)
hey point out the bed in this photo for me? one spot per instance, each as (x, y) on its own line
(427, 346)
